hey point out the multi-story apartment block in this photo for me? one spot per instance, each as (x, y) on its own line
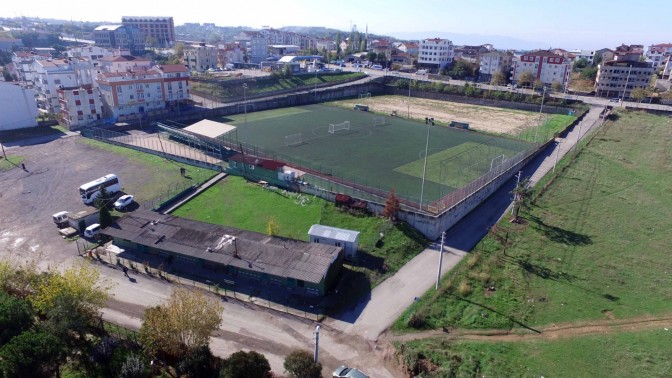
(493, 62)
(50, 75)
(23, 65)
(629, 53)
(470, 54)
(120, 37)
(80, 106)
(667, 71)
(123, 63)
(436, 53)
(17, 106)
(544, 65)
(89, 52)
(606, 54)
(142, 92)
(658, 54)
(255, 44)
(200, 57)
(158, 31)
(618, 78)
(325, 44)
(229, 53)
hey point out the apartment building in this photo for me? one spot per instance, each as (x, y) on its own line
(229, 53)
(200, 57)
(120, 37)
(658, 54)
(123, 63)
(89, 52)
(255, 45)
(17, 106)
(142, 92)
(23, 65)
(50, 75)
(158, 31)
(628, 52)
(80, 106)
(436, 53)
(618, 78)
(546, 66)
(325, 44)
(410, 48)
(587, 55)
(493, 62)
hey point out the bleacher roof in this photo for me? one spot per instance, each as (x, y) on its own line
(333, 233)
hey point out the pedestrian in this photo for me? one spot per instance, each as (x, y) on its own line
(23, 166)
(125, 269)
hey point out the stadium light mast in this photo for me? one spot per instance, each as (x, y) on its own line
(245, 102)
(424, 167)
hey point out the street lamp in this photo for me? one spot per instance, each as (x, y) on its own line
(245, 104)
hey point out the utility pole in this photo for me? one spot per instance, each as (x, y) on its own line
(438, 273)
(627, 79)
(317, 343)
(424, 167)
(543, 95)
(408, 103)
(245, 101)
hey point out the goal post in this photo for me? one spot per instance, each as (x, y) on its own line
(293, 139)
(365, 95)
(334, 127)
(379, 121)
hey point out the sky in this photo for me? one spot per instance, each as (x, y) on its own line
(568, 24)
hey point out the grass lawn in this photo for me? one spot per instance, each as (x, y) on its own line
(619, 354)
(594, 245)
(12, 161)
(160, 178)
(237, 203)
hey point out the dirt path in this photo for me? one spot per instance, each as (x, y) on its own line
(483, 118)
(565, 330)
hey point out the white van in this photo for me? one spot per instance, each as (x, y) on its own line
(421, 72)
(92, 230)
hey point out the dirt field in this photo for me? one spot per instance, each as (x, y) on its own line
(483, 118)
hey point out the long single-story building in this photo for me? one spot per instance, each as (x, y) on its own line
(306, 267)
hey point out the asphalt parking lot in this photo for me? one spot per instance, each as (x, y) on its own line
(54, 171)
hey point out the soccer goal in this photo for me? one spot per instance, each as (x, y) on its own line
(242, 107)
(379, 121)
(364, 95)
(293, 139)
(334, 127)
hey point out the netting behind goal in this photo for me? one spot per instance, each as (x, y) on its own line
(365, 95)
(293, 139)
(379, 121)
(334, 127)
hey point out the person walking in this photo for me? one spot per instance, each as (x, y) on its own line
(125, 269)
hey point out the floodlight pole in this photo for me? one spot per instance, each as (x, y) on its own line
(543, 96)
(424, 168)
(408, 103)
(245, 101)
(438, 273)
(317, 343)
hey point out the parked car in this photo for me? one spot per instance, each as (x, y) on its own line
(615, 100)
(377, 67)
(123, 201)
(347, 372)
(92, 230)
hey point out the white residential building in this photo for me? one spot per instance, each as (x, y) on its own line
(123, 63)
(159, 31)
(120, 37)
(493, 62)
(23, 65)
(140, 93)
(17, 106)
(618, 78)
(88, 52)
(229, 53)
(657, 54)
(544, 65)
(587, 55)
(436, 53)
(51, 75)
(80, 106)
(200, 57)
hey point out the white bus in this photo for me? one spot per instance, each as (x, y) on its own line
(91, 190)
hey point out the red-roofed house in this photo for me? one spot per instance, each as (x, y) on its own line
(544, 65)
(658, 54)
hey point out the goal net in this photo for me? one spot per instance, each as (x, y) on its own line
(293, 139)
(379, 121)
(334, 127)
(365, 95)
(244, 107)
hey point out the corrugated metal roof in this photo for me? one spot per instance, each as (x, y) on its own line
(333, 233)
(252, 251)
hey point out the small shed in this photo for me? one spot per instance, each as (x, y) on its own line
(347, 239)
(84, 219)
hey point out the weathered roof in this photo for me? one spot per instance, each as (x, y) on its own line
(272, 165)
(251, 251)
(210, 128)
(108, 27)
(333, 233)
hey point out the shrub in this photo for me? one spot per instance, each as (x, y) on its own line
(465, 288)
(417, 320)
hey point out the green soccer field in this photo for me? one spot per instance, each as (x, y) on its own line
(385, 157)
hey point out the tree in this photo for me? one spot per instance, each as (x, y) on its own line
(272, 226)
(589, 73)
(556, 86)
(597, 59)
(179, 50)
(538, 84)
(392, 206)
(498, 78)
(371, 56)
(32, 354)
(199, 363)
(638, 94)
(79, 287)
(300, 364)
(521, 197)
(184, 323)
(246, 365)
(16, 316)
(134, 367)
(525, 79)
(580, 64)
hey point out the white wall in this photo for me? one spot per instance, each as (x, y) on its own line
(17, 106)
